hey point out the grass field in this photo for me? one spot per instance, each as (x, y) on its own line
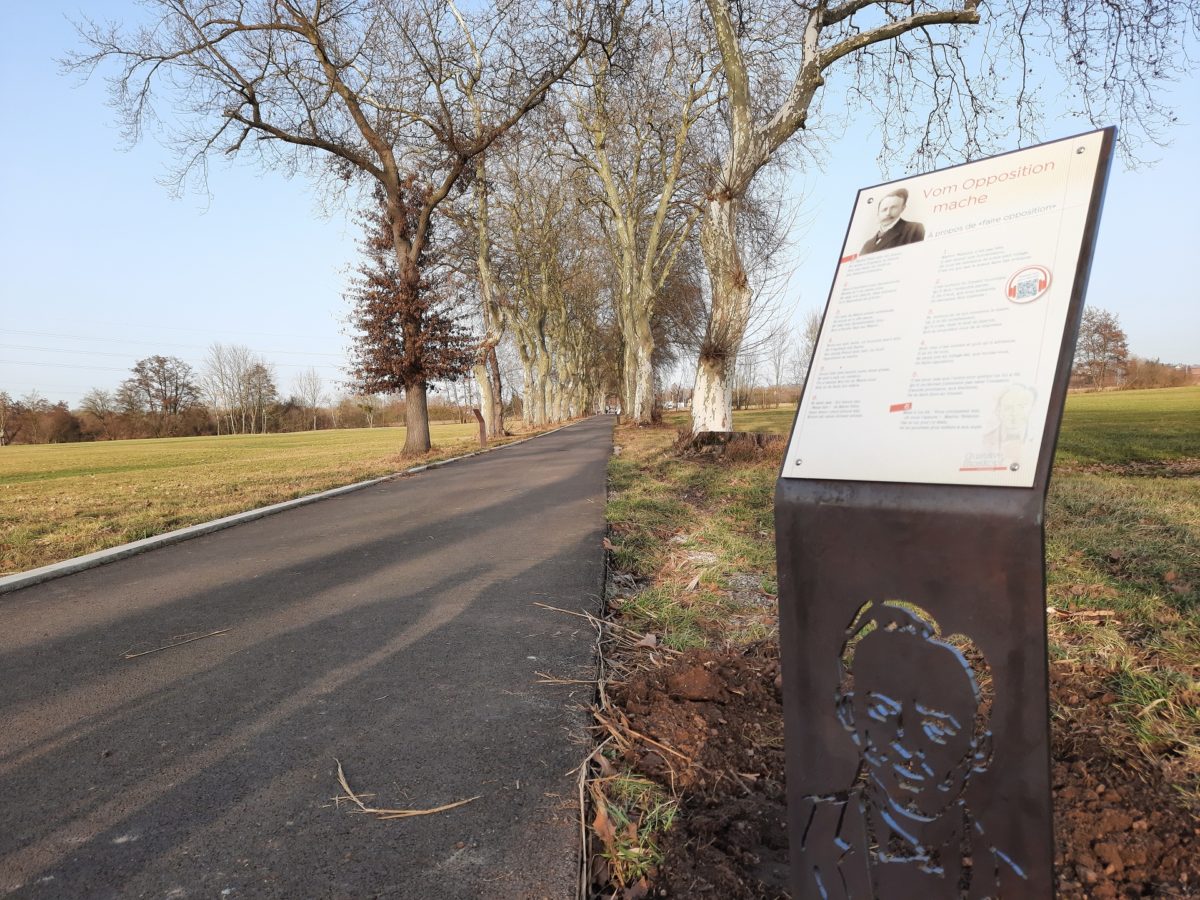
(1123, 553)
(63, 500)
(1130, 427)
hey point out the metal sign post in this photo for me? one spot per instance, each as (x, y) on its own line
(909, 529)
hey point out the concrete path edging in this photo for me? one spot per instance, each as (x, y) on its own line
(19, 580)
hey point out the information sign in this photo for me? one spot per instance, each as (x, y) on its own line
(940, 342)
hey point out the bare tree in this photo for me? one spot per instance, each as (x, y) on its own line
(374, 91)
(1102, 347)
(102, 406)
(745, 378)
(529, 228)
(909, 64)
(778, 344)
(310, 390)
(223, 372)
(262, 395)
(238, 386)
(486, 368)
(805, 344)
(163, 387)
(12, 420)
(634, 133)
(370, 405)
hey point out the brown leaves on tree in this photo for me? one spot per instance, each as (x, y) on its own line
(406, 337)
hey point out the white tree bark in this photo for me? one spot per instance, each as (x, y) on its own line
(712, 397)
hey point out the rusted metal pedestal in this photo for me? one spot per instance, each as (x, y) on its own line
(913, 632)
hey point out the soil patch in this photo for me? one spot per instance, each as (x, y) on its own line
(709, 727)
(722, 712)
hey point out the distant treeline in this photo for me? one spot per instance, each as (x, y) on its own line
(35, 420)
(235, 393)
(1136, 373)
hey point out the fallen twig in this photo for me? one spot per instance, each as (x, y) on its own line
(660, 746)
(614, 731)
(618, 632)
(393, 813)
(569, 612)
(545, 678)
(176, 644)
(1084, 613)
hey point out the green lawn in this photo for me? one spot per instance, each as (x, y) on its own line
(771, 420)
(1113, 427)
(1129, 427)
(63, 500)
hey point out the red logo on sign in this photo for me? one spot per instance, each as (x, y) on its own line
(1028, 284)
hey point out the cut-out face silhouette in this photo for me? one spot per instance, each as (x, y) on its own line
(904, 826)
(914, 707)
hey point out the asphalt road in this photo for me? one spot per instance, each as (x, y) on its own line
(394, 629)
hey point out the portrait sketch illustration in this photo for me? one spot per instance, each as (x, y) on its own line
(912, 703)
(1010, 426)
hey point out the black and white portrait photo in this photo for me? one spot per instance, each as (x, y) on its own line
(891, 228)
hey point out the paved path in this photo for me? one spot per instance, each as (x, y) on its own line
(394, 629)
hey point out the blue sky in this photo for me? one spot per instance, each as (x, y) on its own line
(100, 266)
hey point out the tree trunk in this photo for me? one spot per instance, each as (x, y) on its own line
(487, 406)
(712, 405)
(497, 421)
(712, 402)
(628, 376)
(560, 400)
(638, 369)
(491, 400)
(643, 393)
(542, 391)
(527, 408)
(416, 420)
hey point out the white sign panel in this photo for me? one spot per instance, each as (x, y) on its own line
(938, 349)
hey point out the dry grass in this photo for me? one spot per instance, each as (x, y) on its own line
(64, 500)
(623, 815)
(693, 540)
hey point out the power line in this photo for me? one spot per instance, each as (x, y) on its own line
(62, 350)
(22, 362)
(107, 340)
(157, 326)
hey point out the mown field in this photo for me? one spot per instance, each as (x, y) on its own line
(63, 500)
(1129, 427)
